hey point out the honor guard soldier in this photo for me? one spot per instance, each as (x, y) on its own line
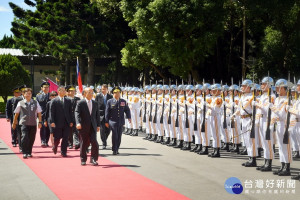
(189, 116)
(128, 126)
(198, 118)
(73, 137)
(225, 119)
(295, 136)
(214, 119)
(135, 111)
(141, 111)
(235, 123)
(10, 113)
(280, 115)
(43, 97)
(152, 113)
(114, 117)
(264, 119)
(204, 130)
(147, 105)
(172, 115)
(245, 112)
(158, 113)
(180, 120)
(165, 114)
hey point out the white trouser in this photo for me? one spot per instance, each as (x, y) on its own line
(250, 143)
(213, 123)
(181, 129)
(147, 124)
(198, 139)
(134, 118)
(266, 144)
(295, 137)
(285, 151)
(225, 132)
(172, 127)
(188, 136)
(166, 126)
(206, 135)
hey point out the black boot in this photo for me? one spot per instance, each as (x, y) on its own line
(154, 138)
(267, 167)
(204, 151)
(216, 154)
(297, 177)
(236, 149)
(150, 136)
(159, 139)
(179, 145)
(129, 131)
(173, 143)
(252, 162)
(195, 148)
(135, 132)
(187, 146)
(167, 141)
(210, 154)
(279, 170)
(147, 137)
(296, 154)
(260, 167)
(199, 148)
(225, 147)
(285, 171)
(125, 131)
(244, 152)
(184, 145)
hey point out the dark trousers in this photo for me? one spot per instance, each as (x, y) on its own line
(45, 134)
(14, 134)
(116, 129)
(61, 133)
(19, 136)
(87, 138)
(73, 137)
(28, 137)
(104, 133)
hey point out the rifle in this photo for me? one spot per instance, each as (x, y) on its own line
(163, 109)
(268, 131)
(288, 118)
(170, 111)
(176, 122)
(186, 112)
(232, 120)
(252, 134)
(224, 122)
(195, 121)
(150, 116)
(144, 118)
(204, 111)
(141, 104)
(155, 114)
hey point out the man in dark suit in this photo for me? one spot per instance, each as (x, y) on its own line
(87, 118)
(10, 113)
(102, 99)
(61, 120)
(114, 117)
(43, 98)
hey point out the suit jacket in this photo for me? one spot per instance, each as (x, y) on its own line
(43, 98)
(83, 116)
(100, 100)
(61, 113)
(9, 109)
(115, 111)
(74, 102)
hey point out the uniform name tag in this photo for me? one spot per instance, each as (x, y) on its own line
(122, 104)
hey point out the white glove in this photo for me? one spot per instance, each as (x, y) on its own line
(253, 103)
(287, 107)
(271, 105)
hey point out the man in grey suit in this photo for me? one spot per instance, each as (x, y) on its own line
(87, 117)
(61, 120)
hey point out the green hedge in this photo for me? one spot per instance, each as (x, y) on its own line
(2, 107)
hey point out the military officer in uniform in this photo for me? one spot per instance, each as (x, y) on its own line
(43, 99)
(114, 117)
(10, 113)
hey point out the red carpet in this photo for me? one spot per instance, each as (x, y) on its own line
(69, 180)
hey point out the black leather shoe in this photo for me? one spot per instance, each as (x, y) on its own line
(104, 147)
(63, 154)
(29, 155)
(93, 162)
(204, 151)
(71, 147)
(14, 145)
(251, 163)
(279, 170)
(267, 167)
(54, 149)
(285, 171)
(83, 163)
(262, 166)
(118, 152)
(297, 177)
(114, 153)
(77, 147)
(199, 148)
(244, 152)
(24, 155)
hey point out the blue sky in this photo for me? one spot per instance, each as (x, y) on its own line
(7, 16)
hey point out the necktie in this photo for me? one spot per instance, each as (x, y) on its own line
(90, 106)
(104, 100)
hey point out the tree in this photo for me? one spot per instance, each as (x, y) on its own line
(7, 42)
(12, 74)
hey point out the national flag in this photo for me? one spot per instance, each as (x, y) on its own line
(53, 86)
(79, 82)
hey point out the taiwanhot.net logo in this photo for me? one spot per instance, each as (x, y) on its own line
(233, 185)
